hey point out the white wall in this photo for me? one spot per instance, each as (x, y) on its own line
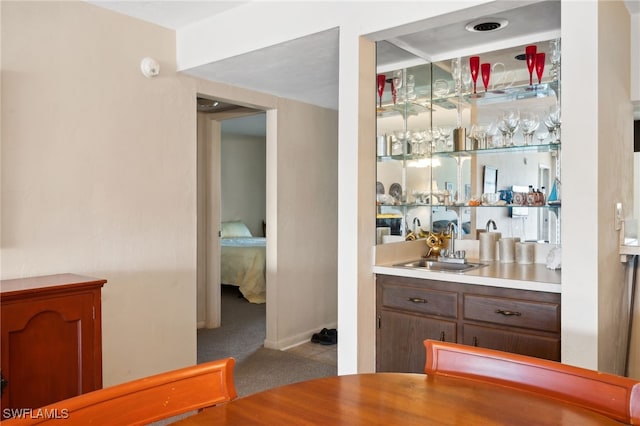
(98, 173)
(99, 178)
(243, 161)
(585, 260)
(302, 172)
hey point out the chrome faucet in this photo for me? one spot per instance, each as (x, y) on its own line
(489, 222)
(416, 220)
(452, 229)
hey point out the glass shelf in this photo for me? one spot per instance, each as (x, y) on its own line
(454, 206)
(547, 147)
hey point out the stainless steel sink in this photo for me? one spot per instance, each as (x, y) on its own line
(432, 265)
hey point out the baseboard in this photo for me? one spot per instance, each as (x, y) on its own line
(295, 340)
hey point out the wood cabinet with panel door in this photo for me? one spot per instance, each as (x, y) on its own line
(410, 310)
(51, 336)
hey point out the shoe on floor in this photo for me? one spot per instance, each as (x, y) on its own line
(325, 337)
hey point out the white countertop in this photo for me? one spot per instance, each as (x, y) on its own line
(536, 277)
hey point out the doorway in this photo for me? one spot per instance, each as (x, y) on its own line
(246, 125)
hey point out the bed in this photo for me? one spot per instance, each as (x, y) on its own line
(243, 261)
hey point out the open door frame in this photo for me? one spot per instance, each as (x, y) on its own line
(209, 213)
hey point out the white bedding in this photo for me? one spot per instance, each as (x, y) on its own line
(242, 264)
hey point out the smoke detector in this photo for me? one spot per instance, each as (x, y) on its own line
(484, 25)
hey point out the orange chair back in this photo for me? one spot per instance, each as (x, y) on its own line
(614, 396)
(142, 401)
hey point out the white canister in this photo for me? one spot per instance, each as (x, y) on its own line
(507, 249)
(381, 232)
(525, 253)
(382, 146)
(488, 249)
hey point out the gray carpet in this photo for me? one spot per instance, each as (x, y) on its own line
(241, 336)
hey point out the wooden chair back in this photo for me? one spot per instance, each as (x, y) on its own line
(142, 401)
(614, 396)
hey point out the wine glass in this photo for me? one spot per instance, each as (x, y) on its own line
(382, 79)
(456, 74)
(465, 77)
(540, 56)
(508, 125)
(529, 123)
(486, 73)
(554, 118)
(502, 127)
(530, 56)
(396, 83)
(394, 93)
(474, 66)
(552, 123)
(479, 135)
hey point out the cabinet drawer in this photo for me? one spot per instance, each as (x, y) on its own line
(513, 312)
(547, 347)
(421, 300)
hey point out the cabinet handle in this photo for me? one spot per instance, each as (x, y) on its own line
(442, 336)
(417, 300)
(508, 313)
(475, 341)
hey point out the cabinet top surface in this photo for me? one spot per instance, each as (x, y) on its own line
(534, 277)
(20, 285)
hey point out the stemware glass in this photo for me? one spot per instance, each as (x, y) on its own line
(465, 77)
(486, 73)
(456, 74)
(394, 93)
(530, 56)
(474, 67)
(396, 83)
(411, 87)
(551, 128)
(552, 123)
(479, 135)
(492, 133)
(554, 117)
(381, 83)
(509, 124)
(529, 123)
(445, 137)
(502, 127)
(540, 57)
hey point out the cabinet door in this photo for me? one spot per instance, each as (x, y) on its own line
(512, 341)
(400, 339)
(49, 349)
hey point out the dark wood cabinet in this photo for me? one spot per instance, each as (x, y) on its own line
(410, 310)
(51, 336)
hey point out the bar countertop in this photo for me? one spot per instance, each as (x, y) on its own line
(536, 277)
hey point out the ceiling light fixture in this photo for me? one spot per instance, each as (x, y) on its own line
(484, 25)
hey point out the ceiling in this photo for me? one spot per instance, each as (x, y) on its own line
(306, 69)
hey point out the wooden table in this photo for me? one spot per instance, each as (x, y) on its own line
(395, 399)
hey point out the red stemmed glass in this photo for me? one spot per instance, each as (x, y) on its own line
(381, 82)
(539, 65)
(474, 67)
(530, 56)
(394, 92)
(485, 69)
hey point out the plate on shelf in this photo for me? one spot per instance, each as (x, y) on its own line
(379, 188)
(395, 190)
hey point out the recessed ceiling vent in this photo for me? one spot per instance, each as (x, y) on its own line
(484, 25)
